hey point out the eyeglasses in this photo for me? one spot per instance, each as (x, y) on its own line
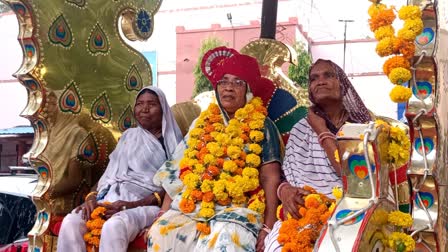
(234, 83)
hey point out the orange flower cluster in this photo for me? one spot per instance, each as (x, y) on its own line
(397, 68)
(94, 226)
(301, 234)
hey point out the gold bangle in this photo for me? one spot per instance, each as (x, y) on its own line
(90, 194)
(159, 200)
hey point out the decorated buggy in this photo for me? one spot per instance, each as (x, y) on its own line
(80, 92)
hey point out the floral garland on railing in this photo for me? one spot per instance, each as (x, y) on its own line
(399, 241)
(220, 163)
(94, 226)
(301, 234)
(397, 68)
(399, 144)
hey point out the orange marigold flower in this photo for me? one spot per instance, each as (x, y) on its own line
(302, 211)
(209, 128)
(213, 170)
(224, 202)
(383, 18)
(196, 195)
(187, 205)
(208, 196)
(220, 162)
(206, 176)
(311, 202)
(394, 62)
(203, 228)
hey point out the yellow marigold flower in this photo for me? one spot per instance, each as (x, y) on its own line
(224, 176)
(257, 206)
(402, 240)
(215, 149)
(384, 31)
(196, 132)
(229, 166)
(223, 139)
(399, 75)
(239, 201)
(218, 190)
(398, 218)
(198, 169)
(219, 127)
(400, 94)
(255, 148)
(415, 25)
(235, 190)
(385, 47)
(191, 153)
(253, 160)
(207, 186)
(406, 34)
(237, 141)
(337, 192)
(256, 135)
(409, 12)
(209, 159)
(256, 125)
(241, 114)
(233, 131)
(250, 172)
(186, 194)
(256, 101)
(192, 142)
(258, 116)
(249, 107)
(207, 204)
(233, 151)
(192, 180)
(374, 9)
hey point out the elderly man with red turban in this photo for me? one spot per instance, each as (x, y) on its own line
(222, 180)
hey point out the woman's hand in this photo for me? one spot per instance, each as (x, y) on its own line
(115, 207)
(292, 198)
(260, 240)
(316, 122)
(87, 208)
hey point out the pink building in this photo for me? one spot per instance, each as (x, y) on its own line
(188, 43)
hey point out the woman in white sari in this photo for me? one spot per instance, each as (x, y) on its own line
(133, 199)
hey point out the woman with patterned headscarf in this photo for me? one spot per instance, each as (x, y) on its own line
(310, 151)
(223, 182)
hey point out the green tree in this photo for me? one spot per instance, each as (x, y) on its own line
(201, 83)
(299, 73)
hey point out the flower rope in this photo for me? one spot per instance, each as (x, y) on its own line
(398, 67)
(301, 234)
(220, 163)
(94, 226)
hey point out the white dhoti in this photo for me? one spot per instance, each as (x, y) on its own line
(116, 233)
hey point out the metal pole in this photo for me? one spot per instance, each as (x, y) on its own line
(345, 37)
(269, 19)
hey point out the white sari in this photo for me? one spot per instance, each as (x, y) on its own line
(128, 177)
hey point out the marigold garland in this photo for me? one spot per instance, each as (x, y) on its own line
(400, 241)
(220, 163)
(94, 226)
(301, 234)
(398, 149)
(381, 19)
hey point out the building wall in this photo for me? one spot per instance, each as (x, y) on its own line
(189, 42)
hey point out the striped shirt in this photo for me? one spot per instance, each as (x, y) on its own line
(306, 162)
